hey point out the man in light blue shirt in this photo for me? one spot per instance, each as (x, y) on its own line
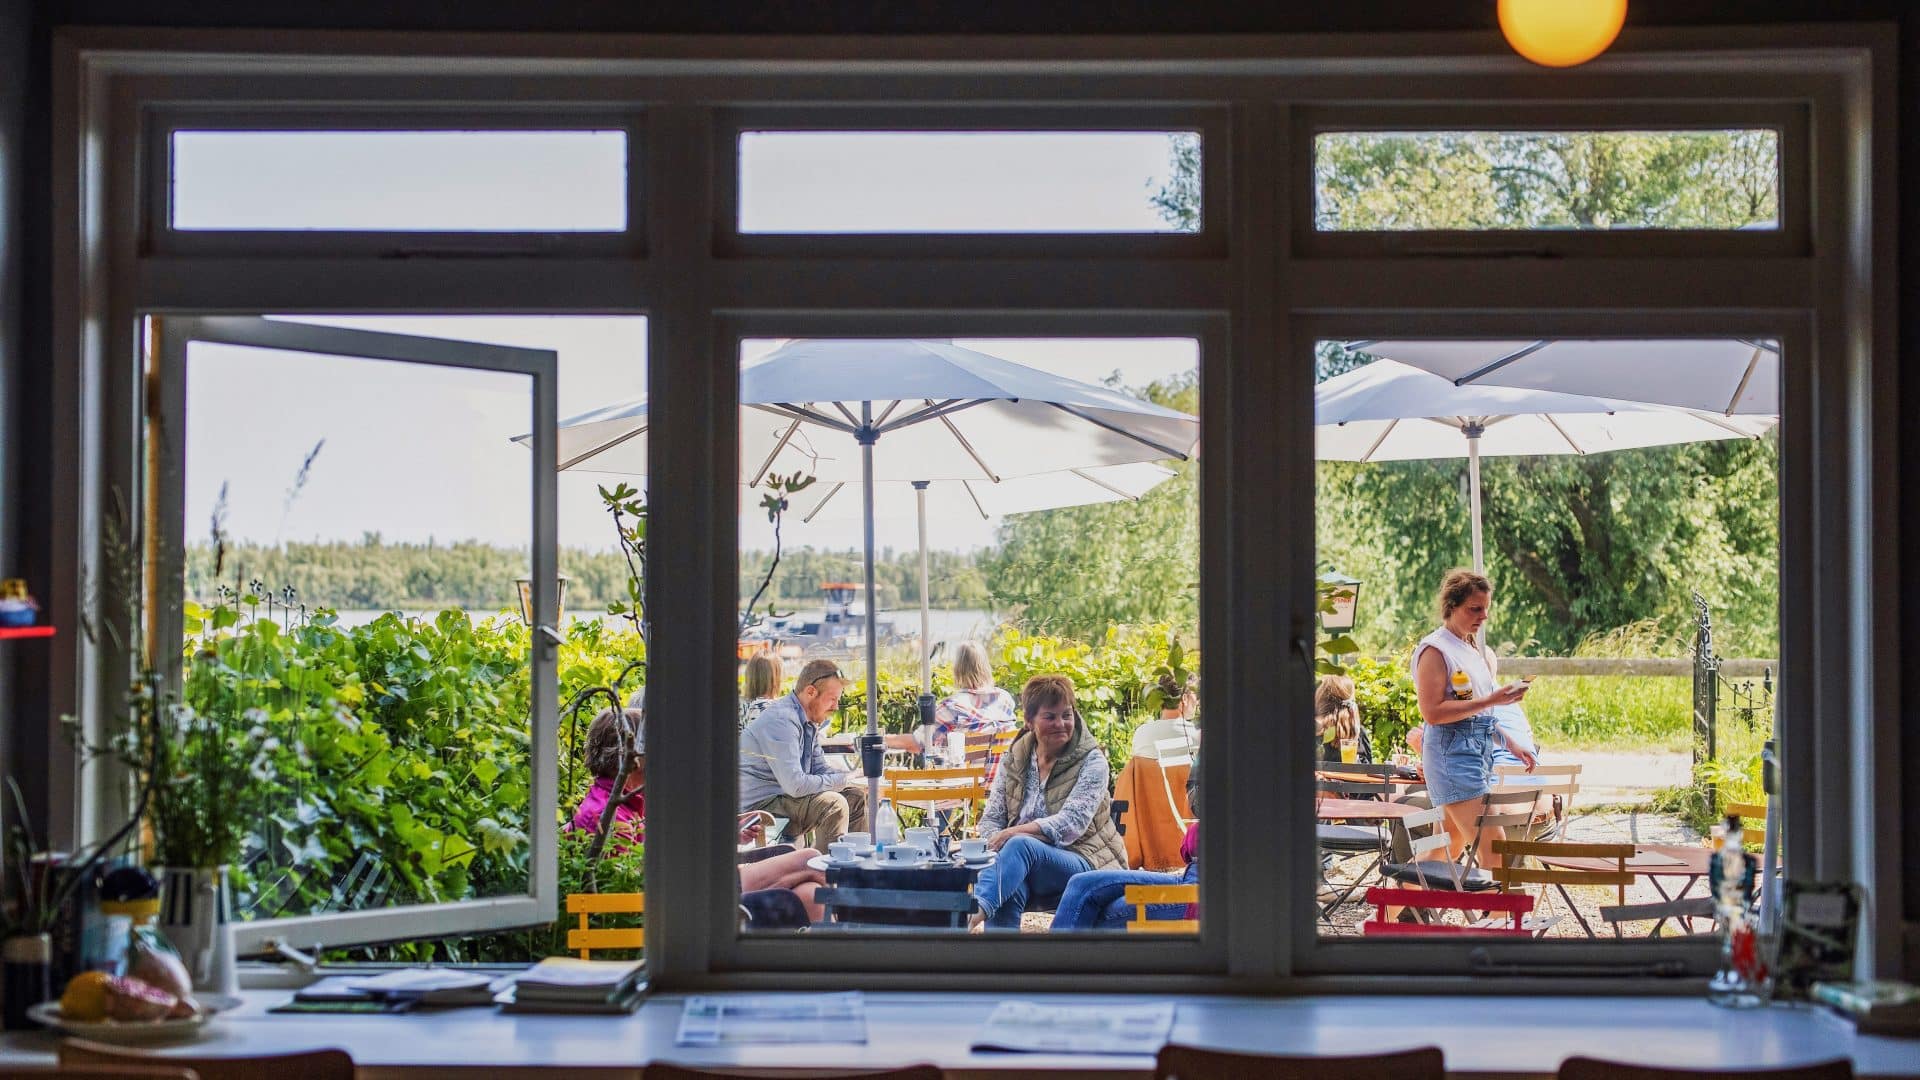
(783, 770)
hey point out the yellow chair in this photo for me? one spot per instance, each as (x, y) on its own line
(586, 938)
(1142, 895)
(957, 788)
(1756, 833)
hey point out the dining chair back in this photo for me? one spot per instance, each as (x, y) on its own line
(303, 1065)
(1176, 753)
(587, 938)
(1339, 842)
(97, 1072)
(682, 1072)
(1556, 784)
(1586, 1068)
(1193, 1063)
(1427, 865)
(1430, 904)
(1142, 895)
(1753, 821)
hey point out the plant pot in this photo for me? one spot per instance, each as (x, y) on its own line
(196, 906)
(26, 973)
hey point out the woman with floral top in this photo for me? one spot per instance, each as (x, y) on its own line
(975, 707)
(1049, 815)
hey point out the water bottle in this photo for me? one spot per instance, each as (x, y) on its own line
(886, 827)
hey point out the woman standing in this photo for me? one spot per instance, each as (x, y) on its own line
(1049, 815)
(1456, 694)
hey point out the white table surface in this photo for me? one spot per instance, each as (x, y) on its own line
(1527, 1036)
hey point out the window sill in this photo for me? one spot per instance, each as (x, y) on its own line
(1484, 1036)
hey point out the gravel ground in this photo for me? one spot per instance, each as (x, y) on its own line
(1620, 824)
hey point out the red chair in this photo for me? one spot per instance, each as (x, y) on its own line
(1516, 905)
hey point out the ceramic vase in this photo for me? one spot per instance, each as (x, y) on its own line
(196, 908)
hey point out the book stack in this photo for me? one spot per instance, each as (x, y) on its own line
(1878, 1007)
(430, 987)
(564, 984)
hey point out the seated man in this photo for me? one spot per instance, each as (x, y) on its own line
(782, 768)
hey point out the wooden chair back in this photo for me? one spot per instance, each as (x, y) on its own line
(1755, 833)
(1585, 1068)
(1510, 869)
(1192, 1063)
(682, 1072)
(1142, 895)
(96, 1073)
(910, 786)
(304, 1065)
(586, 938)
(1436, 901)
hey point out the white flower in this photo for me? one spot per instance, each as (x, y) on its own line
(345, 718)
(262, 769)
(255, 715)
(270, 745)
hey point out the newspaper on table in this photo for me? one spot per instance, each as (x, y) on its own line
(1077, 1029)
(781, 1019)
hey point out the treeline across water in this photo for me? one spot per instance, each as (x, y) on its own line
(380, 574)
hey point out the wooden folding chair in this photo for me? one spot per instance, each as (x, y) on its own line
(1508, 871)
(586, 938)
(959, 788)
(1429, 903)
(1142, 895)
(306, 1065)
(1549, 781)
(1192, 1063)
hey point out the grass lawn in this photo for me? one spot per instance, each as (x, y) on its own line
(1612, 712)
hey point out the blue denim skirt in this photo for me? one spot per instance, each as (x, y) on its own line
(1458, 759)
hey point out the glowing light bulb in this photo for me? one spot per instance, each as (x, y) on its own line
(1561, 33)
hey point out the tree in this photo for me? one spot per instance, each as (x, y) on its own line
(1078, 570)
(1576, 545)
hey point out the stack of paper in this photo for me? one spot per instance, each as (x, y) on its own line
(567, 984)
(426, 986)
(786, 1019)
(1077, 1029)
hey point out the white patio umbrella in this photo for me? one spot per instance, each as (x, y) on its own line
(1732, 377)
(944, 413)
(1390, 411)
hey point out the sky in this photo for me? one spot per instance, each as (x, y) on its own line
(413, 452)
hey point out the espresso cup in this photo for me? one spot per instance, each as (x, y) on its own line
(861, 842)
(903, 853)
(841, 851)
(921, 837)
(974, 848)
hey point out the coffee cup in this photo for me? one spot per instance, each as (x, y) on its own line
(905, 855)
(840, 851)
(921, 837)
(859, 841)
(973, 849)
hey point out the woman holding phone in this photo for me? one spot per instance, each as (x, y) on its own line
(1454, 686)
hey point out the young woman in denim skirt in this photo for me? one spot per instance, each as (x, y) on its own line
(1456, 694)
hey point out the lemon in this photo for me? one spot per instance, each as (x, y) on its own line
(85, 997)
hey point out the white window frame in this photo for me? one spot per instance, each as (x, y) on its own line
(1827, 292)
(166, 498)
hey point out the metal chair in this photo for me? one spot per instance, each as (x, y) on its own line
(586, 938)
(305, 1065)
(937, 790)
(1513, 873)
(1344, 842)
(1192, 1063)
(1514, 905)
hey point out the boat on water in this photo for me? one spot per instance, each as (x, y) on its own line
(838, 630)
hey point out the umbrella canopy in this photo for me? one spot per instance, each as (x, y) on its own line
(940, 412)
(1726, 376)
(1390, 411)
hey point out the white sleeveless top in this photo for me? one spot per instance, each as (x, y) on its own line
(1461, 658)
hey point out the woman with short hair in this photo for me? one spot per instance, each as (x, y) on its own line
(975, 707)
(1049, 815)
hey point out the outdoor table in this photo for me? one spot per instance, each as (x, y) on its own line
(1374, 810)
(1334, 773)
(937, 875)
(1687, 861)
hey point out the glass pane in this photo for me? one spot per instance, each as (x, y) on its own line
(358, 531)
(400, 181)
(970, 182)
(1404, 181)
(1558, 699)
(1061, 563)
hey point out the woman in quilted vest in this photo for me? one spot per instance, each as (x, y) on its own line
(1049, 815)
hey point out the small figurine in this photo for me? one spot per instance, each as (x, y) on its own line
(17, 606)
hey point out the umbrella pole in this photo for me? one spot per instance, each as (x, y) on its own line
(926, 644)
(867, 435)
(1474, 432)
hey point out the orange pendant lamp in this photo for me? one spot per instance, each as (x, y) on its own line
(1561, 33)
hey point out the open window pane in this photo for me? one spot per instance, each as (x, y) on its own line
(1609, 681)
(399, 181)
(1047, 575)
(970, 182)
(1408, 181)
